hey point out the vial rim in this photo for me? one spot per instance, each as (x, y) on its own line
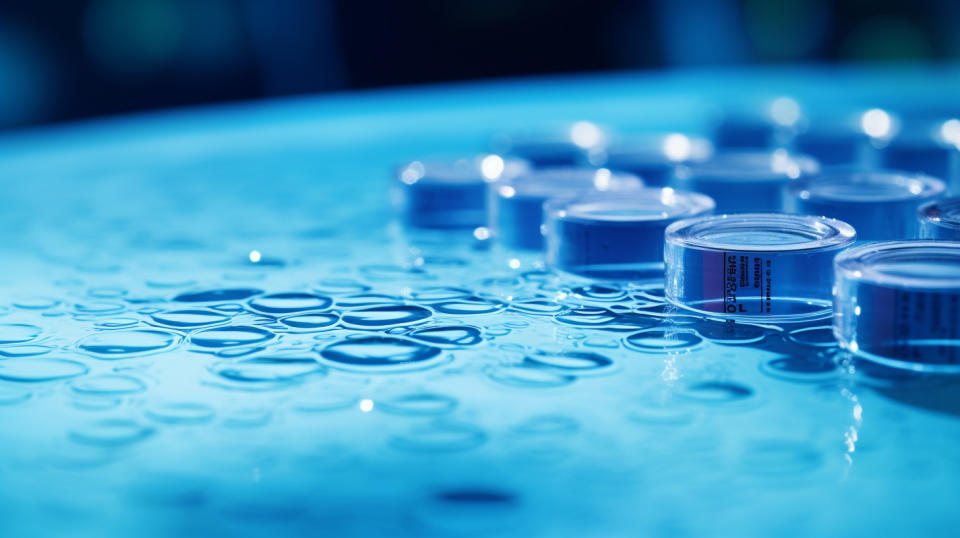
(933, 212)
(828, 233)
(860, 263)
(690, 205)
(805, 189)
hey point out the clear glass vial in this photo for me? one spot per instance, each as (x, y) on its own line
(898, 303)
(515, 208)
(881, 205)
(450, 193)
(741, 182)
(940, 219)
(616, 236)
(766, 267)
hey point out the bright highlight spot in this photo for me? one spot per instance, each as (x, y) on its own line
(585, 134)
(785, 111)
(514, 263)
(255, 256)
(601, 179)
(507, 191)
(876, 123)
(366, 405)
(481, 233)
(412, 173)
(950, 131)
(491, 167)
(677, 147)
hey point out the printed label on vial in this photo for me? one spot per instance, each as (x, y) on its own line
(911, 325)
(747, 283)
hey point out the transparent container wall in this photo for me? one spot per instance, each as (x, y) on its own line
(898, 303)
(761, 267)
(940, 220)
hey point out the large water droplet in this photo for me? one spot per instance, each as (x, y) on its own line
(529, 377)
(312, 321)
(448, 335)
(541, 307)
(730, 332)
(24, 351)
(108, 384)
(285, 303)
(233, 335)
(180, 412)
(383, 317)
(662, 340)
(15, 333)
(189, 318)
(268, 369)
(420, 404)
(814, 336)
(717, 392)
(599, 293)
(119, 344)
(570, 362)
(30, 370)
(368, 299)
(470, 305)
(385, 353)
(217, 295)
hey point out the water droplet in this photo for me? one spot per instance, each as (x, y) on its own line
(107, 292)
(24, 351)
(441, 436)
(112, 432)
(189, 318)
(110, 384)
(570, 362)
(233, 335)
(325, 402)
(384, 353)
(117, 323)
(602, 293)
(541, 307)
(814, 336)
(247, 417)
(36, 303)
(368, 299)
(16, 333)
(217, 295)
(312, 321)
(419, 404)
(31, 370)
(119, 344)
(383, 317)
(448, 335)
(587, 316)
(180, 412)
(470, 305)
(100, 308)
(438, 294)
(662, 340)
(285, 303)
(341, 286)
(268, 369)
(13, 395)
(529, 377)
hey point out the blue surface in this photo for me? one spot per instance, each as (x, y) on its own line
(155, 384)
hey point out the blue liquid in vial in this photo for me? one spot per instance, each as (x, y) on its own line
(755, 267)
(879, 205)
(516, 204)
(741, 182)
(940, 219)
(898, 303)
(616, 236)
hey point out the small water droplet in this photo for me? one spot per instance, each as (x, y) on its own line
(380, 353)
(470, 306)
(570, 362)
(443, 436)
(542, 307)
(730, 332)
(662, 340)
(601, 293)
(268, 369)
(814, 336)
(382, 317)
(419, 404)
(189, 318)
(32, 370)
(180, 412)
(217, 295)
(286, 303)
(24, 351)
(717, 392)
(111, 432)
(803, 369)
(16, 333)
(448, 335)
(311, 322)
(229, 336)
(529, 377)
(120, 344)
(109, 384)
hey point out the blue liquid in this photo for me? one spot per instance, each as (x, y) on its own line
(880, 206)
(759, 267)
(940, 220)
(617, 236)
(744, 182)
(898, 303)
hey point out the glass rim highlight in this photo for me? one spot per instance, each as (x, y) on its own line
(812, 232)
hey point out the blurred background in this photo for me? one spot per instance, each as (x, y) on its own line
(84, 58)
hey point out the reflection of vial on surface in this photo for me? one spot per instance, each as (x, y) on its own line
(516, 204)
(879, 205)
(652, 157)
(940, 219)
(754, 267)
(745, 181)
(616, 236)
(898, 303)
(452, 193)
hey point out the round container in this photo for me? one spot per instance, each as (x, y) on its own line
(898, 303)
(616, 236)
(879, 205)
(516, 203)
(854, 140)
(562, 145)
(754, 267)
(925, 152)
(745, 181)
(940, 219)
(655, 157)
(452, 193)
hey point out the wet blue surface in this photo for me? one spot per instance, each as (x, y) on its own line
(158, 379)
